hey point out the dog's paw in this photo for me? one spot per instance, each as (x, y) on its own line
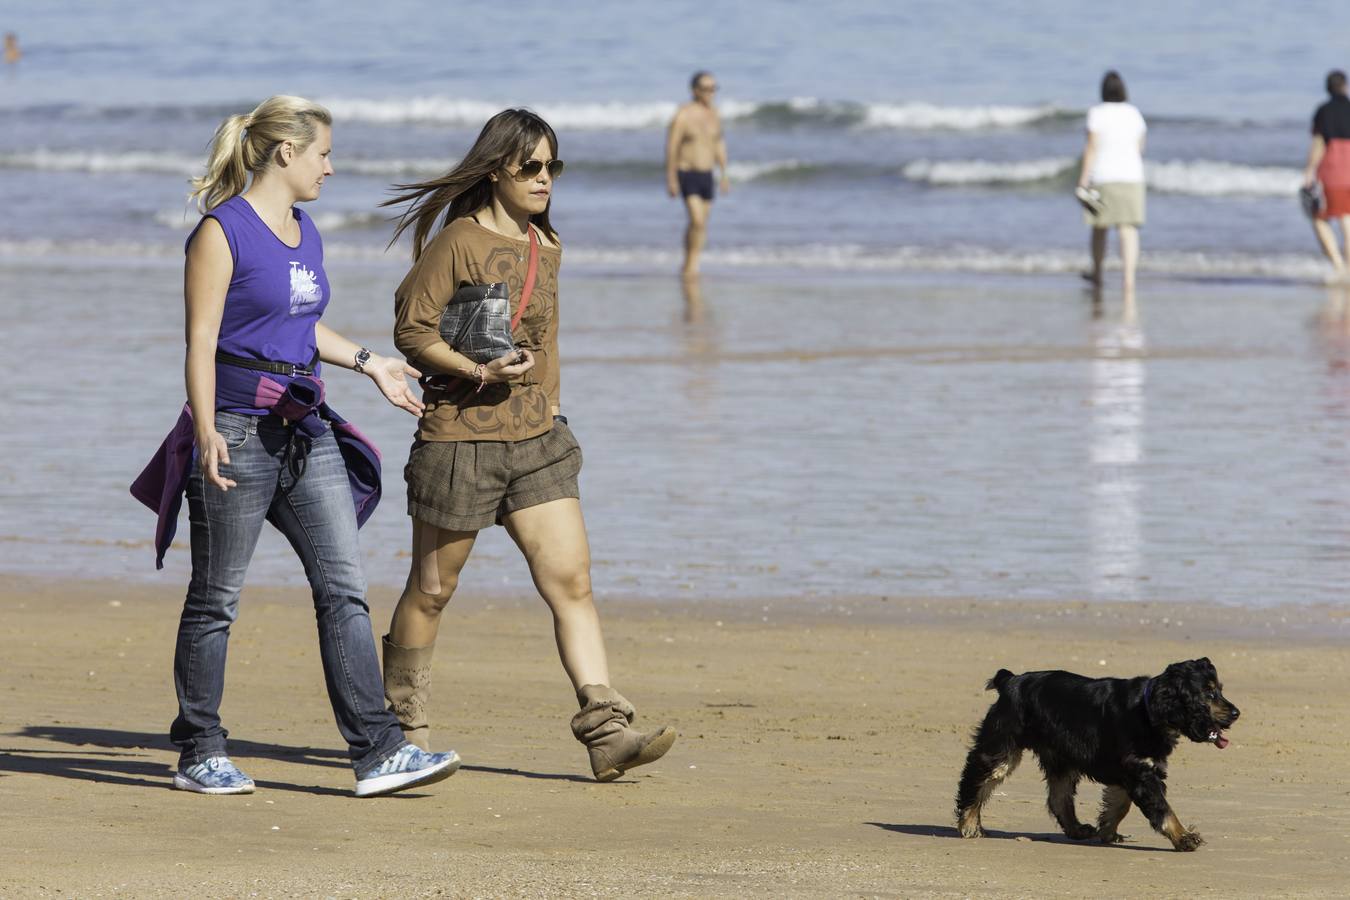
(1111, 837)
(972, 831)
(1080, 832)
(1189, 840)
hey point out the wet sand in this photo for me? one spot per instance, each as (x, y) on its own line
(820, 746)
(931, 436)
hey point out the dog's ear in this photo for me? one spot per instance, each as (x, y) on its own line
(1168, 700)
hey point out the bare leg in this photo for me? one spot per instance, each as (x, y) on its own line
(696, 235)
(1345, 236)
(438, 557)
(1098, 246)
(1326, 239)
(553, 538)
(1129, 256)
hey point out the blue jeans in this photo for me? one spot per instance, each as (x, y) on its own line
(316, 515)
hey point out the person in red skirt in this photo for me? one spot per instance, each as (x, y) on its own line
(1329, 166)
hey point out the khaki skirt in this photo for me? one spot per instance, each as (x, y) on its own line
(470, 485)
(1122, 204)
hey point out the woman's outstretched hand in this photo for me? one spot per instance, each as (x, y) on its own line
(509, 365)
(391, 377)
(212, 453)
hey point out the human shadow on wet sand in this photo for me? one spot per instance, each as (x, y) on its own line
(139, 740)
(549, 776)
(38, 761)
(1044, 837)
(125, 769)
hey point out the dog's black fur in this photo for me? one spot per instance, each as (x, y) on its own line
(1115, 731)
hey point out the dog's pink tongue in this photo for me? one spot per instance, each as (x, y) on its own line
(1221, 741)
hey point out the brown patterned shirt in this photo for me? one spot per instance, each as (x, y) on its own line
(466, 253)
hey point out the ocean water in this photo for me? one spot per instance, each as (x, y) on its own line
(916, 136)
(893, 383)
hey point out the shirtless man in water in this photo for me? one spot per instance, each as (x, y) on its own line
(695, 146)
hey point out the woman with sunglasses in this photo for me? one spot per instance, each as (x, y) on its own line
(492, 447)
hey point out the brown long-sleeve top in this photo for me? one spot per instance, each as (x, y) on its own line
(466, 253)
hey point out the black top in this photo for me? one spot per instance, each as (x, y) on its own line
(1332, 119)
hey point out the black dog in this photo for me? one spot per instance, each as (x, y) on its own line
(1115, 731)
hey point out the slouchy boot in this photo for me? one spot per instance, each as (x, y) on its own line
(407, 686)
(614, 748)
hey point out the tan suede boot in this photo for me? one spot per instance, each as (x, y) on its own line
(614, 748)
(407, 687)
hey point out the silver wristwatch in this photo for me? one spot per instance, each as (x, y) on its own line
(362, 357)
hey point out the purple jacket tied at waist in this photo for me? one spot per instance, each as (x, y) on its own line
(162, 483)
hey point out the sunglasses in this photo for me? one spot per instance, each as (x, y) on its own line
(531, 168)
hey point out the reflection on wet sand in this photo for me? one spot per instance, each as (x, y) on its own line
(701, 343)
(1117, 401)
(692, 288)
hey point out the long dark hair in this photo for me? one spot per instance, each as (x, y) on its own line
(1113, 88)
(508, 138)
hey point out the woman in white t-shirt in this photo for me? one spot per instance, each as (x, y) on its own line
(1113, 167)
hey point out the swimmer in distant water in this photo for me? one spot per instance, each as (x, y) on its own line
(694, 147)
(12, 52)
(1329, 164)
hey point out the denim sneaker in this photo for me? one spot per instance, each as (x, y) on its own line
(215, 776)
(408, 767)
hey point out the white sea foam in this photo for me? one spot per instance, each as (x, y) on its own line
(749, 171)
(423, 166)
(657, 114)
(817, 257)
(858, 258)
(98, 162)
(963, 118)
(1215, 179)
(473, 113)
(327, 221)
(1209, 178)
(160, 163)
(982, 171)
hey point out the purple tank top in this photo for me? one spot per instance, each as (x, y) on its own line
(276, 295)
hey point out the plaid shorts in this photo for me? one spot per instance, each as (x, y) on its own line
(470, 485)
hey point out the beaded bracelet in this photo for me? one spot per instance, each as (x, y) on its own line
(480, 373)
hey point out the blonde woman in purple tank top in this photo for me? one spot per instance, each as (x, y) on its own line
(254, 290)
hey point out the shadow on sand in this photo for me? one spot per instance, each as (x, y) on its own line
(1045, 837)
(115, 766)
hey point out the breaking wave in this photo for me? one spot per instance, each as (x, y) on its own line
(1202, 178)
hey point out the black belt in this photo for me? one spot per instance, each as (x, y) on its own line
(296, 453)
(290, 370)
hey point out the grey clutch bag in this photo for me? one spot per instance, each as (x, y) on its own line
(477, 321)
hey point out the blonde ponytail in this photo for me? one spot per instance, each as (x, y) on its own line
(244, 144)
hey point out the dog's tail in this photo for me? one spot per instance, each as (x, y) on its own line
(998, 681)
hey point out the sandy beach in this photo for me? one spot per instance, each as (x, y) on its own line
(819, 751)
(889, 443)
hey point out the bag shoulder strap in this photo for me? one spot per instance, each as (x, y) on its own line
(530, 274)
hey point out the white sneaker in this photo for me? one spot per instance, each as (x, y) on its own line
(216, 775)
(408, 767)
